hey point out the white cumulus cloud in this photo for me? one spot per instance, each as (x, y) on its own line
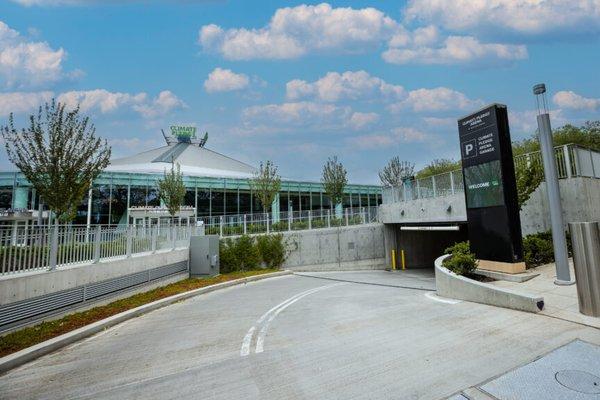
(436, 99)
(100, 99)
(456, 50)
(528, 17)
(22, 102)
(574, 101)
(295, 31)
(91, 101)
(163, 104)
(26, 63)
(350, 85)
(303, 113)
(359, 120)
(225, 80)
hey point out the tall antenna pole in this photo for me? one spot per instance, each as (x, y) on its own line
(563, 275)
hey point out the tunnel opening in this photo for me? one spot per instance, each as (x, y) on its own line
(418, 245)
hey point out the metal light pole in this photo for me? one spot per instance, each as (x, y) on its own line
(563, 276)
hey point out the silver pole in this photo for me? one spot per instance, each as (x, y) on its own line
(563, 275)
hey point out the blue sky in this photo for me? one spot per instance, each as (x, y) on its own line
(297, 82)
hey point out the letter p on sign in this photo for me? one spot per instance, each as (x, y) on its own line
(469, 149)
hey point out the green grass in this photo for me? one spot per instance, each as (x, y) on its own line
(30, 336)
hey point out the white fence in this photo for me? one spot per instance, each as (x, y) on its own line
(229, 225)
(29, 248)
(26, 248)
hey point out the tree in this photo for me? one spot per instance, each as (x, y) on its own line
(171, 190)
(266, 184)
(396, 172)
(334, 180)
(587, 135)
(438, 166)
(529, 175)
(59, 154)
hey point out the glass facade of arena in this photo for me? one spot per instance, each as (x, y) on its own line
(113, 193)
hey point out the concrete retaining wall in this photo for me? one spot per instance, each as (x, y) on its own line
(453, 286)
(446, 209)
(27, 285)
(344, 248)
(579, 198)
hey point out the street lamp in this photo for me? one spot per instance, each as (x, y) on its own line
(563, 276)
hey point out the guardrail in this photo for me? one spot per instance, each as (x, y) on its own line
(571, 161)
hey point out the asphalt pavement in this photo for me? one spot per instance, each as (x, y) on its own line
(358, 335)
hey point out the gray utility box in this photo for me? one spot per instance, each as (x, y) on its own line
(204, 255)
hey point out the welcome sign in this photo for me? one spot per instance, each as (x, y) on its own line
(490, 188)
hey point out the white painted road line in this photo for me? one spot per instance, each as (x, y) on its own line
(246, 343)
(270, 316)
(245, 350)
(260, 340)
(435, 297)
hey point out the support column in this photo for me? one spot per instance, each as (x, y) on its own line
(20, 197)
(275, 209)
(338, 210)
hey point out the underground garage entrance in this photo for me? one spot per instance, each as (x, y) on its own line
(418, 245)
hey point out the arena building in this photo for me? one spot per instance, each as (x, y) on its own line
(216, 185)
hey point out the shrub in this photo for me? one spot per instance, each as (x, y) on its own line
(319, 223)
(538, 249)
(280, 226)
(247, 253)
(272, 250)
(461, 260)
(227, 256)
(299, 225)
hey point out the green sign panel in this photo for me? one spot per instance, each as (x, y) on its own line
(484, 185)
(183, 133)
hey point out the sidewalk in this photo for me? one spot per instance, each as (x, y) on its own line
(559, 301)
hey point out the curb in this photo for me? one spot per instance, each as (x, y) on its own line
(454, 286)
(26, 355)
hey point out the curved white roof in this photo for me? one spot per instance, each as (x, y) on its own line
(194, 161)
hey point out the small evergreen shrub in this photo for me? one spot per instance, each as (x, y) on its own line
(272, 250)
(538, 249)
(461, 260)
(247, 253)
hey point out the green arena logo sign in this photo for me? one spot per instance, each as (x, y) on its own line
(183, 132)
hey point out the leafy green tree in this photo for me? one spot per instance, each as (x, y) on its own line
(334, 180)
(171, 190)
(396, 172)
(59, 154)
(587, 135)
(266, 184)
(528, 176)
(439, 166)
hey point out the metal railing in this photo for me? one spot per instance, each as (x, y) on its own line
(231, 225)
(26, 248)
(571, 161)
(439, 185)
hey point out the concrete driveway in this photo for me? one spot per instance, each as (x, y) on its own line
(328, 336)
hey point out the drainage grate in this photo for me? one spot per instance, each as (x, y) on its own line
(25, 311)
